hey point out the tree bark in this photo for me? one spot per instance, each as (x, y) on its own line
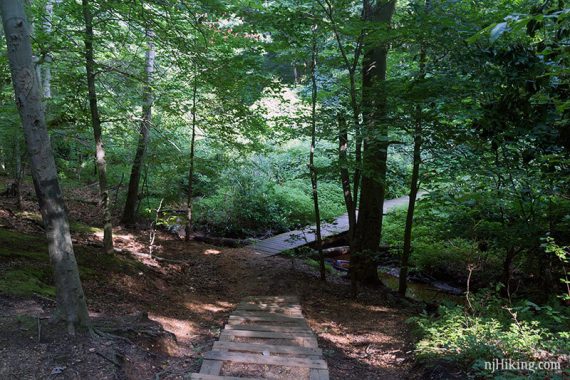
(129, 213)
(344, 174)
(97, 131)
(375, 153)
(47, 59)
(188, 229)
(70, 299)
(312, 168)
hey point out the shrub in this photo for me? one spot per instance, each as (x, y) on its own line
(490, 330)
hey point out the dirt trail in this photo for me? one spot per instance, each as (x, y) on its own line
(190, 294)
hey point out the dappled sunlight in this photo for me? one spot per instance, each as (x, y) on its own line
(183, 329)
(212, 252)
(201, 307)
(370, 308)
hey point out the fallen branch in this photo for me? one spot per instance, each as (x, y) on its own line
(336, 251)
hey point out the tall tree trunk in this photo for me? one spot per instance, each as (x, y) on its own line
(96, 124)
(357, 132)
(414, 183)
(47, 58)
(129, 213)
(403, 281)
(71, 305)
(312, 168)
(191, 170)
(375, 143)
(351, 68)
(344, 174)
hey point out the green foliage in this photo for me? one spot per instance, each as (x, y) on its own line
(272, 194)
(491, 330)
(563, 255)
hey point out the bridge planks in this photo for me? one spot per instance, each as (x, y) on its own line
(294, 239)
(252, 321)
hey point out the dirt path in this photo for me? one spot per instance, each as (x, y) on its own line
(190, 294)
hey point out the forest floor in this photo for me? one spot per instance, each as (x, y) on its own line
(164, 313)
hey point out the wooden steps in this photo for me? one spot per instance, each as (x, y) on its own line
(273, 321)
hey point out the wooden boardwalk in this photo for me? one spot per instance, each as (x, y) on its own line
(293, 239)
(267, 336)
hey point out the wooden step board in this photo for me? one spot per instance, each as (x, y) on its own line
(265, 331)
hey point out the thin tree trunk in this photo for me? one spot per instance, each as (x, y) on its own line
(97, 131)
(403, 281)
(507, 271)
(70, 299)
(357, 133)
(47, 58)
(414, 183)
(129, 213)
(191, 170)
(312, 168)
(357, 162)
(351, 68)
(19, 175)
(375, 153)
(344, 174)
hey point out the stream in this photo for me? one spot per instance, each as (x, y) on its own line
(434, 292)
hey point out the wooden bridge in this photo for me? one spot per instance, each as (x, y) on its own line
(293, 239)
(266, 336)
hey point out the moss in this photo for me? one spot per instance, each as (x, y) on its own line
(35, 216)
(315, 264)
(14, 245)
(25, 282)
(28, 270)
(83, 228)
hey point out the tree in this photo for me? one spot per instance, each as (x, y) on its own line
(375, 136)
(351, 66)
(133, 190)
(312, 168)
(71, 304)
(97, 130)
(47, 28)
(415, 179)
(188, 228)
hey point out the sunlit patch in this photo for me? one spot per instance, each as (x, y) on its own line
(212, 252)
(371, 308)
(184, 330)
(199, 307)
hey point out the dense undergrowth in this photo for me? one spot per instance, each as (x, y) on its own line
(490, 328)
(259, 194)
(456, 240)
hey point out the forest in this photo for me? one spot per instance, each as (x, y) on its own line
(284, 189)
